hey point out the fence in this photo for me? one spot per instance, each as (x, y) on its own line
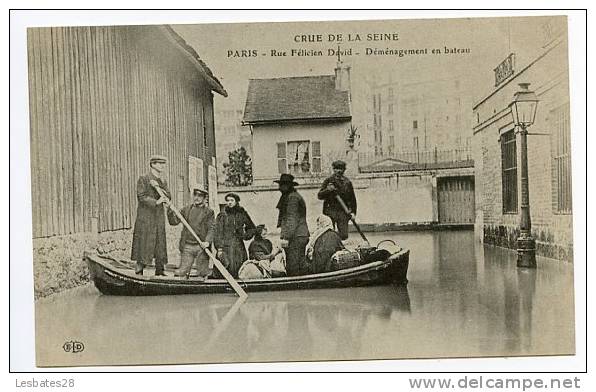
(415, 160)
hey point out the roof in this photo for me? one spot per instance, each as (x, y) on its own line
(194, 58)
(306, 98)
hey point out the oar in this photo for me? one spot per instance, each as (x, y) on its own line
(347, 211)
(241, 293)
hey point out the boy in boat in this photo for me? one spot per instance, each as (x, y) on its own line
(338, 185)
(202, 220)
(149, 234)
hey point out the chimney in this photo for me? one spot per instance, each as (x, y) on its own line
(342, 76)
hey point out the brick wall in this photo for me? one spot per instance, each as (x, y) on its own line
(548, 76)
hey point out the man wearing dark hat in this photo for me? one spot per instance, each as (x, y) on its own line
(202, 220)
(149, 235)
(292, 222)
(338, 184)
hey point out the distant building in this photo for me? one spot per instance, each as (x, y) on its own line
(298, 124)
(412, 115)
(102, 100)
(497, 153)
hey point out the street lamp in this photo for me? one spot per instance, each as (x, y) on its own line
(523, 110)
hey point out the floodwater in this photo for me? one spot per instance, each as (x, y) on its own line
(463, 299)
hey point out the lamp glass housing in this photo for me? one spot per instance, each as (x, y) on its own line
(524, 105)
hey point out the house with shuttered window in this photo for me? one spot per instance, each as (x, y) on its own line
(298, 124)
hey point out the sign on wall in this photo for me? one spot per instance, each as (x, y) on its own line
(213, 187)
(505, 69)
(196, 175)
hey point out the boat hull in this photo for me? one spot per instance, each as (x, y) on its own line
(117, 281)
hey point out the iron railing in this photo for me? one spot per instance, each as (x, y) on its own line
(415, 160)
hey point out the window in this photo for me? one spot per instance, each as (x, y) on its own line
(380, 121)
(509, 172)
(390, 93)
(415, 142)
(282, 166)
(561, 160)
(299, 157)
(316, 157)
(374, 103)
(379, 101)
(391, 144)
(390, 108)
(415, 124)
(390, 125)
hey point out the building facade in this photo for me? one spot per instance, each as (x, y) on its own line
(497, 152)
(102, 100)
(416, 115)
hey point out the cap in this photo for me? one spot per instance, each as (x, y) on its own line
(157, 159)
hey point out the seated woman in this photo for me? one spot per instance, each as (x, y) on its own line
(323, 243)
(261, 248)
(261, 256)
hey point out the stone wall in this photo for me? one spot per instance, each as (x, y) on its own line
(58, 261)
(383, 199)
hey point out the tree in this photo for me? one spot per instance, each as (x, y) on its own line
(352, 136)
(238, 169)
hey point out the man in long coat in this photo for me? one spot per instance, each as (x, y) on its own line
(338, 184)
(292, 222)
(149, 235)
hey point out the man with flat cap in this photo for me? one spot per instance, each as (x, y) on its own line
(149, 235)
(335, 185)
(292, 222)
(202, 220)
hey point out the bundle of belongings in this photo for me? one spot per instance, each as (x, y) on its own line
(261, 269)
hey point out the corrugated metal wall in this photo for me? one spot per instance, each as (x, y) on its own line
(102, 101)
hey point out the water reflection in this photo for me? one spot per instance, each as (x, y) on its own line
(462, 300)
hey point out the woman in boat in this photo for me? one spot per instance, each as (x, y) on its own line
(261, 248)
(323, 243)
(233, 226)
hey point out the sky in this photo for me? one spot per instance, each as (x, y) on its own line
(489, 41)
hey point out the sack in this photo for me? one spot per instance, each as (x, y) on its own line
(278, 265)
(253, 269)
(343, 259)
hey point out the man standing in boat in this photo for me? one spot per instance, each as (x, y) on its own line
(338, 185)
(149, 235)
(292, 222)
(202, 220)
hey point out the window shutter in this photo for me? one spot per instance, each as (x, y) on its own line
(282, 166)
(316, 156)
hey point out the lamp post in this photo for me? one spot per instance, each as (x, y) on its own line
(523, 110)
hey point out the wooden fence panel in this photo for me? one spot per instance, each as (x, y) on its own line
(102, 100)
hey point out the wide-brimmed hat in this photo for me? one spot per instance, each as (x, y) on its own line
(157, 159)
(286, 179)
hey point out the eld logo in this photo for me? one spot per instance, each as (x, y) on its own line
(73, 347)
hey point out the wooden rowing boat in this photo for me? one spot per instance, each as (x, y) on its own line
(116, 277)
